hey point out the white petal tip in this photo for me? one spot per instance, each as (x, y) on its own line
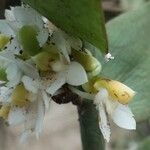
(102, 95)
(24, 136)
(123, 118)
(56, 85)
(131, 126)
(106, 132)
(16, 116)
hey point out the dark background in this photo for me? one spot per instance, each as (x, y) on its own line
(5, 4)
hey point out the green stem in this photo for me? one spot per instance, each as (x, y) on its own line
(90, 133)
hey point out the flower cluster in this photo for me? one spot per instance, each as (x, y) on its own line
(37, 59)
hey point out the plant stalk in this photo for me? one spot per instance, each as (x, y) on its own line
(90, 133)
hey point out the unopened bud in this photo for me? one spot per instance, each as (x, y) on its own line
(86, 60)
(95, 72)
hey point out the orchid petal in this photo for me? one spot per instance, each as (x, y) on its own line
(103, 123)
(30, 84)
(25, 134)
(46, 99)
(30, 117)
(13, 47)
(75, 74)
(28, 69)
(5, 94)
(61, 44)
(16, 116)
(5, 28)
(40, 116)
(3, 62)
(9, 15)
(123, 117)
(7, 55)
(43, 36)
(101, 96)
(57, 84)
(32, 97)
(27, 16)
(14, 75)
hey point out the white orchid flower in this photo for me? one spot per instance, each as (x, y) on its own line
(73, 74)
(32, 114)
(25, 105)
(112, 100)
(26, 92)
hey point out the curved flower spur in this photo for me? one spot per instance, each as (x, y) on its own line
(37, 60)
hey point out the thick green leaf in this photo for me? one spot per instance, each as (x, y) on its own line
(129, 41)
(80, 18)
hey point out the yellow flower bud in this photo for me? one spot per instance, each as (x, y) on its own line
(19, 96)
(86, 60)
(116, 90)
(3, 40)
(95, 72)
(4, 111)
